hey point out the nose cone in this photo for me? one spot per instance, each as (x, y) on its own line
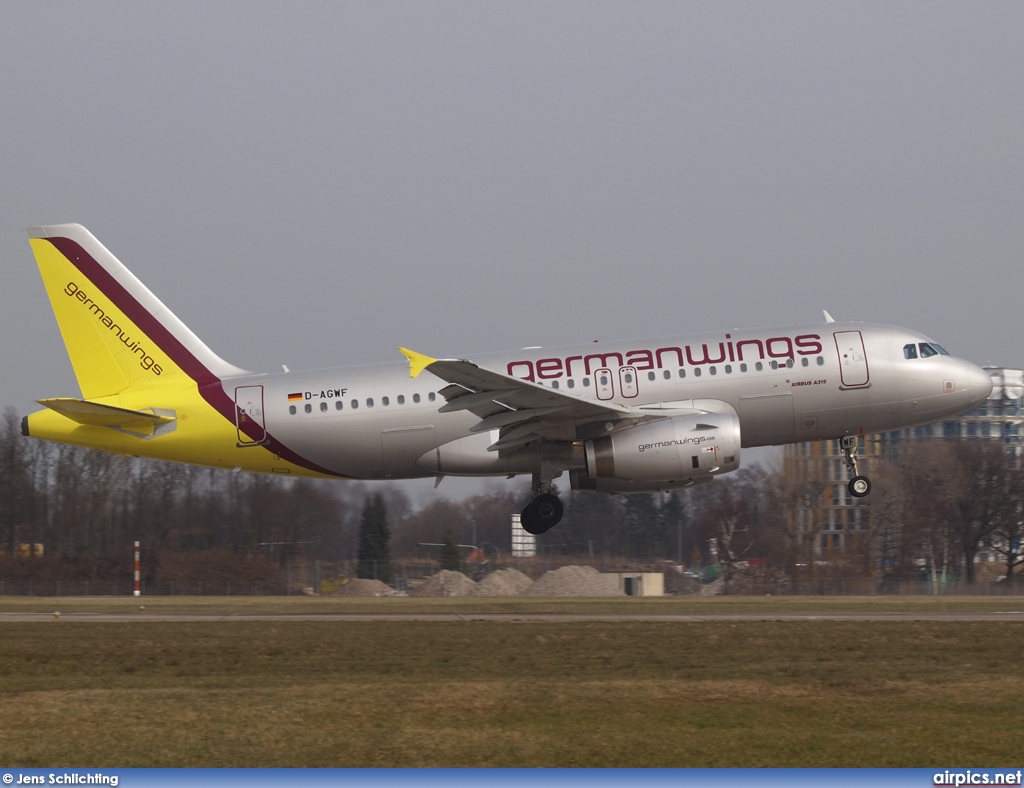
(979, 384)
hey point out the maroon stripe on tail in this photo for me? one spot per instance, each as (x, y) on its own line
(209, 384)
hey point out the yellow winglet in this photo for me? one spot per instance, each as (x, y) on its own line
(417, 361)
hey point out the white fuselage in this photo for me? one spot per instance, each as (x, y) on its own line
(800, 383)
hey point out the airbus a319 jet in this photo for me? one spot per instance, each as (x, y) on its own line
(622, 417)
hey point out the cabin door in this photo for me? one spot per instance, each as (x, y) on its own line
(853, 361)
(252, 429)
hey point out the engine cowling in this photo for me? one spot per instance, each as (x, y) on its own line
(663, 454)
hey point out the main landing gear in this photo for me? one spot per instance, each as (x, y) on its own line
(545, 510)
(859, 486)
(541, 514)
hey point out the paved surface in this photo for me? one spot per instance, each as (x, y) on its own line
(1001, 616)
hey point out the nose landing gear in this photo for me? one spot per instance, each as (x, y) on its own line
(859, 486)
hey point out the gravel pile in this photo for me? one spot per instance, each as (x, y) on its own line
(359, 587)
(574, 581)
(504, 582)
(445, 583)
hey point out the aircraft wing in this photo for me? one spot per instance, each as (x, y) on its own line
(521, 410)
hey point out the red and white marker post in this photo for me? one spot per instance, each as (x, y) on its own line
(138, 585)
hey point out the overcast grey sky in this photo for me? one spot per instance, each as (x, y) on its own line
(315, 184)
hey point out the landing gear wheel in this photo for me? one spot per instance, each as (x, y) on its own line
(529, 523)
(859, 486)
(541, 514)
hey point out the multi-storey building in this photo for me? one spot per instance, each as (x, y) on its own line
(828, 520)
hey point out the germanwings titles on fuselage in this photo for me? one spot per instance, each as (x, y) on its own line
(619, 417)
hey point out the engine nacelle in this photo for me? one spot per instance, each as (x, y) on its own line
(663, 454)
(580, 481)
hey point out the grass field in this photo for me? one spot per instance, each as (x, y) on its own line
(368, 693)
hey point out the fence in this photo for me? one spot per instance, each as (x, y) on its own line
(300, 578)
(126, 588)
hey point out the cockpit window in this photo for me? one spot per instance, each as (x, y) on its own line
(928, 349)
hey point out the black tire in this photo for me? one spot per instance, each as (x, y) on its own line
(859, 486)
(547, 509)
(529, 522)
(542, 514)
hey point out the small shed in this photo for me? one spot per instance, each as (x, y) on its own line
(640, 583)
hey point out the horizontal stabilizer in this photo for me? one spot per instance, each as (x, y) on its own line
(94, 414)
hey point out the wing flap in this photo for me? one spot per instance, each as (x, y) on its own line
(510, 417)
(470, 400)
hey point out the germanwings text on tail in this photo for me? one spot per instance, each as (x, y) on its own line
(638, 416)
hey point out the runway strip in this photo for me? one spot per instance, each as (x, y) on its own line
(554, 618)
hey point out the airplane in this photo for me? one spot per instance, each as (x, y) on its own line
(622, 417)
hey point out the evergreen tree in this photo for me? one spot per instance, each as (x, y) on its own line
(451, 556)
(374, 554)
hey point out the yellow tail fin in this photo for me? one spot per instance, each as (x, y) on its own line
(118, 334)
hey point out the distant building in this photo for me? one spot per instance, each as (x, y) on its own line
(828, 520)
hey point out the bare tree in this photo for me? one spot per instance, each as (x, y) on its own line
(979, 494)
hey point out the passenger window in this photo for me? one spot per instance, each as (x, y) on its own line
(667, 375)
(355, 404)
(554, 384)
(682, 373)
(775, 364)
(385, 401)
(821, 361)
(369, 402)
(804, 361)
(909, 351)
(415, 397)
(431, 396)
(759, 366)
(571, 383)
(291, 409)
(743, 367)
(338, 405)
(401, 399)
(309, 408)
(586, 382)
(696, 372)
(713, 371)
(323, 407)
(728, 369)
(651, 376)
(927, 350)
